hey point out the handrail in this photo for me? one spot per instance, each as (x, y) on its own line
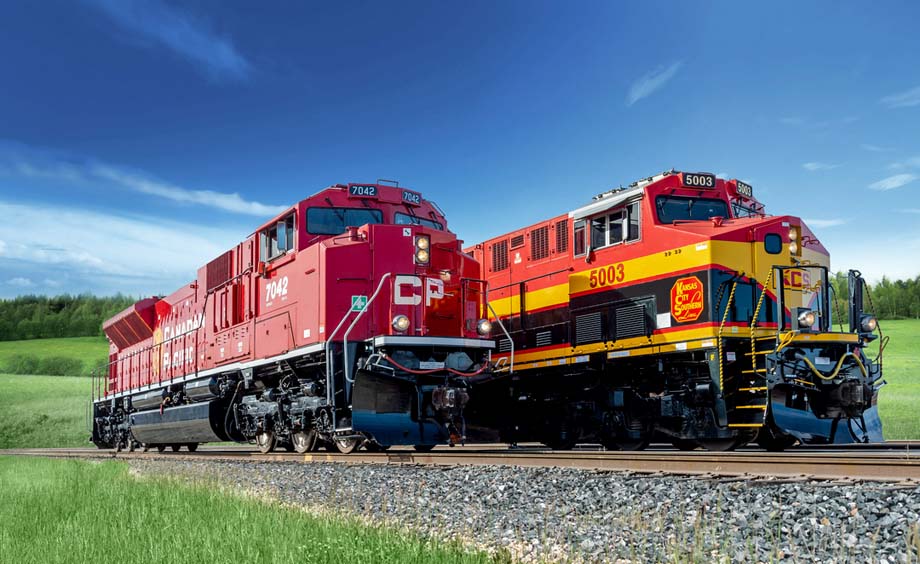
(355, 322)
(505, 331)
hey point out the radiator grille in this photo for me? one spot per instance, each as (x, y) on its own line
(589, 328)
(220, 270)
(544, 338)
(539, 243)
(517, 241)
(499, 256)
(562, 236)
(504, 345)
(631, 321)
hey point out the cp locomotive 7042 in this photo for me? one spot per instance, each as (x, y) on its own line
(351, 318)
(676, 308)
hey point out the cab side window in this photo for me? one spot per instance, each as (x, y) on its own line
(618, 226)
(278, 239)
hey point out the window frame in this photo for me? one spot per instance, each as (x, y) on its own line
(416, 220)
(624, 215)
(269, 235)
(376, 211)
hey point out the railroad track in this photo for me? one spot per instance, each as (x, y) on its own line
(891, 462)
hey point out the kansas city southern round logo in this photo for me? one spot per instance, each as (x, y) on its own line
(687, 299)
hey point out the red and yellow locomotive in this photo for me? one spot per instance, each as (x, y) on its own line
(351, 318)
(674, 308)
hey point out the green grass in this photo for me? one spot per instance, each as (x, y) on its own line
(61, 511)
(43, 411)
(87, 351)
(899, 401)
(84, 349)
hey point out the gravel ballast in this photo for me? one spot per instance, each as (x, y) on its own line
(538, 514)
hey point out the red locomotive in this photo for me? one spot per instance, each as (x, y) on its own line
(351, 318)
(675, 308)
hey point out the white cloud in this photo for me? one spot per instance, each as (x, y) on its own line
(651, 82)
(20, 282)
(227, 202)
(824, 223)
(160, 254)
(904, 99)
(170, 26)
(875, 148)
(816, 166)
(893, 182)
(913, 162)
(41, 164)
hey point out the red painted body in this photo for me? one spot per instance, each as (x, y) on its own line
(247, 305)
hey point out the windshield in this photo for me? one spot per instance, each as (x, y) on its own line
(671, 208)
(334, 221)
(406, 219)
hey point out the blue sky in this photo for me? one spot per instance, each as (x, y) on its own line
(139, 139)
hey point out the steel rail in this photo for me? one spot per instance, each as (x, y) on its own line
(896, 465)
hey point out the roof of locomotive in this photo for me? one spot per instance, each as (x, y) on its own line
(736, 192)
(391, 200)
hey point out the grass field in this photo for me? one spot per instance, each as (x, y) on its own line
(43, 411)
(899, 401)
(62, 511)
(85, 349)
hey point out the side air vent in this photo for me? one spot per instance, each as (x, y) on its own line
(504, 345)
(589, 328)
(517, 241)
(544, 338)
(562, 235)
(539, 243)
(499, 256)
(631, 321)
(220, 270)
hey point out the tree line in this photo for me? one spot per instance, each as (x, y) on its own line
(887, 299)
(42, 317)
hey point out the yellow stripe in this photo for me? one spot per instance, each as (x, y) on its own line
(750, 407)
(732, 425)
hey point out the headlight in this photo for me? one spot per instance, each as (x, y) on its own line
(422, 256)
(793, 248)
(868, 324)
(422, 242)
(400, 323)
(484, 327)
(793, 234)
(807, 318)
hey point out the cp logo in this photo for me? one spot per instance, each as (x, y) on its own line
(405, 290)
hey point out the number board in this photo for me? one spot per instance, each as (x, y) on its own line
(745, 189)
(698, 180)
(413, 198)
(362, 191)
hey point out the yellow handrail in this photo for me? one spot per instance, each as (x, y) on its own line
(728, 305)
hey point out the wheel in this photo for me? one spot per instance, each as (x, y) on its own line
(374, 446)
(175, 448)
(347, 445)
(304, 441)
(625, 443)
(145, 447)
(161, 448)
(424, 448)
(192, 447)
(265, 441)
(131, 445)
(774, 440)
(719, 445)
(685, 444)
